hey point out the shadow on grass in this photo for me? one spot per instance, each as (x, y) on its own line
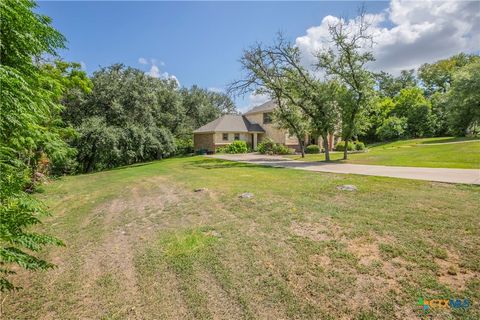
(448, 140)
(136, 165)
(224, 164)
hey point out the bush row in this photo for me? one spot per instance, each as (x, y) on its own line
(312, 148)
(353, 145)
(268, 146)
(237, 146)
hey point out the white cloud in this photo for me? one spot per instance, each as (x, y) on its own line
(215, 89)
(83, 66)
(253, 100)
(258, 99)
(417, 32)
(155, 70)
(157, 62)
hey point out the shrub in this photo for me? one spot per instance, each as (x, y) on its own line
(281, 149)
(313, 148)
(392, 128)
(184, 146)
(359, 146)
(268, 146)
(341, 145)
(221, 150)
(237, 146)
(265, 146)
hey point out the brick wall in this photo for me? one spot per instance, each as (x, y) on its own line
(203, 141)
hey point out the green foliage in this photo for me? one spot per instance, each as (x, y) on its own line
(390, 86)
(130, 117)
(292, 118)
(268, 146)
(412, 105)
(122, 120)
(438, 76)
(238, 146)
(379, 110)
(305, 104)
(221, 150)
(313, 148)
(19, 211)
(29, 130)
(197, 107)
(184, 146)
(265, 146)
(340, 146)
(392, 128)
(279, 148)
(346, 61)
(359, 146)
(463, 100)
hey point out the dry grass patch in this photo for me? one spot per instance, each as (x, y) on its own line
(141, 244)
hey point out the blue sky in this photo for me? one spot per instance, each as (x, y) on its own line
(198, 42)
(201, 42)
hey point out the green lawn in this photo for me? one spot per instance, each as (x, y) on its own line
(429, 152)
(141, 244)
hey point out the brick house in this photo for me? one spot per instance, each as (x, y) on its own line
(251, 127)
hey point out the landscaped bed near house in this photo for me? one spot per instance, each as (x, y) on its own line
(142, 244)
(428, 152)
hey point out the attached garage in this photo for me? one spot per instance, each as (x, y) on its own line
(224, 131)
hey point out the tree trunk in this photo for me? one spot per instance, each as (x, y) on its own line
(302, 147)
(345, 150)
(326, 146)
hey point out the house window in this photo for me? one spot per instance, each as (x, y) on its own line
(237, 136)
(225, 136)
(267, 118)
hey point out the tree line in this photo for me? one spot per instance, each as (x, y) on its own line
(339, 94)
(129, 117)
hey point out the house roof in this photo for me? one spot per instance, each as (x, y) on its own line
(266, 107)
(230, 123)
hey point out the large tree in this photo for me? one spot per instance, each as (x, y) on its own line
(437, 79)
(29, 127)
(390, 86)
(438, 76)
(131, 117)
(127, 118)
(198, 107)
(463, 100)
(276, 70)
(346, 60)
(411, 104)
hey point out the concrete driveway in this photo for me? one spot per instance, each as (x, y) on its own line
(467, 176)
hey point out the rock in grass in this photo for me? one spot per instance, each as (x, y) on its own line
(246, 195)
(347, 187)
(213, 233)
(452, 271)
(200, 189)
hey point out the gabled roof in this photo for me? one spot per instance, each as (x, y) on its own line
(230, 123)
(266, 107)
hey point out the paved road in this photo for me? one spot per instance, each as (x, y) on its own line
(468, 176)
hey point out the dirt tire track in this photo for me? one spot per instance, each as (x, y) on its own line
(127, 223)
